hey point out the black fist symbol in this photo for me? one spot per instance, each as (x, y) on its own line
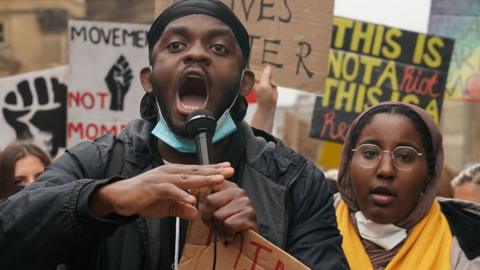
(39, 114)
(118, 82)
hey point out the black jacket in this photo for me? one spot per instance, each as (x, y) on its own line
(48, 223)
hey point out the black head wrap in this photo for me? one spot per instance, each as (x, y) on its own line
(211, 8)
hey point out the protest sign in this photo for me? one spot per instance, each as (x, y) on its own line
(292, 36)
(34, 108)
(105, 90)
(248, 250)
(460, 20)
(296, 136)
(370, 63)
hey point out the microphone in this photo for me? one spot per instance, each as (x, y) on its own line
(201, 125)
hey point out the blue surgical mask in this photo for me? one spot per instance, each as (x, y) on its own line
(225, 127)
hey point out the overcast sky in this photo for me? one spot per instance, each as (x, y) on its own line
(405, 14)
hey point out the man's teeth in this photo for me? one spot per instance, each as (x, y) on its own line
(190, 107)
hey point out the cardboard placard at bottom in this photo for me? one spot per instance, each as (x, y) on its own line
(247, 251)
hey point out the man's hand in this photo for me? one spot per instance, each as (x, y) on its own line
(160, 192)
(266, 95)
(266, 92)
(227, 209)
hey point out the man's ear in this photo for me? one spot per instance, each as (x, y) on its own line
(247, 82)
(145, 78)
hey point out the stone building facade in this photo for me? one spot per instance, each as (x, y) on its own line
(131, 11)
(33, 33)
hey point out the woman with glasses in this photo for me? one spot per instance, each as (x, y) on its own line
(387, 211)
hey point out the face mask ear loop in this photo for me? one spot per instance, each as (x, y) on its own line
(223, 116)
(238, 92)
(158, 109)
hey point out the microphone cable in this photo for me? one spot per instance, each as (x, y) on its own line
(177, 242)
(214, 265)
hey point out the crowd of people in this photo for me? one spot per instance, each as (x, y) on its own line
(111, 203)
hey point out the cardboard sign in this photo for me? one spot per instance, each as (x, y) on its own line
(292, 36)
(105, 89)
(248, 250)
(460, 19)
(296, 136)
(371, 63)
(34, 108)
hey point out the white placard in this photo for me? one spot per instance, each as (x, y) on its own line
(105, 89)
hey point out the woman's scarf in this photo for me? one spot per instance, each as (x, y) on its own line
(427, 246)
(379, 256)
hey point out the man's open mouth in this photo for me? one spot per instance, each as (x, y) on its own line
(192, 94)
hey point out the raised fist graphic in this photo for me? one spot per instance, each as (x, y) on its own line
(38, 113)
(118, 81)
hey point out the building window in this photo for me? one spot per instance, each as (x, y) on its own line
(2, 34)
(52, 20)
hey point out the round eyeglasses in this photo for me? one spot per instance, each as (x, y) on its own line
(403, 157)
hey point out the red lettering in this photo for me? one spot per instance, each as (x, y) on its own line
(259, 248)
(240, 250)
(88, 96)
(92, 130)
(74, 128)
(342, 129)
(431, 86)
(73, 97)
(407, 78)
(327, 123)
(87, 100)
(209, 237)
(280, 265)
(102, 96)
(89, 129)
(412, 82)
(329, 126)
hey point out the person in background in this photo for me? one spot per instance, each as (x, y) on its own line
(466, 185)
(266, 95)
(21, 163)
(94, 217)
(387, 210)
